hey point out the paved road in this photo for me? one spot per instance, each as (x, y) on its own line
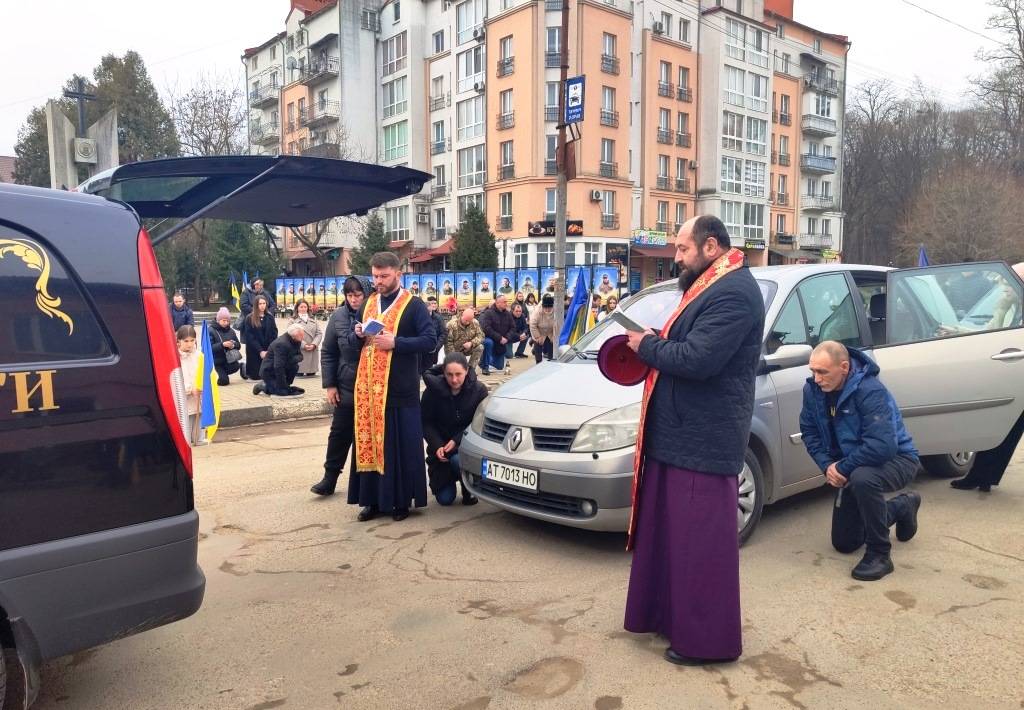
(471, 608)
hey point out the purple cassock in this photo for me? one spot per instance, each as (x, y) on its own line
(685, 581)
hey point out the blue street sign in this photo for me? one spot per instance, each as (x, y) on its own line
(574, 100)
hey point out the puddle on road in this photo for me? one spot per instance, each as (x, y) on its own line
(547, 679)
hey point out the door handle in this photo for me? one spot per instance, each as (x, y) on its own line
(796, 439)
(1009, 355)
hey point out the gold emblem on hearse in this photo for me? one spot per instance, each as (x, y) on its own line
(35, 259)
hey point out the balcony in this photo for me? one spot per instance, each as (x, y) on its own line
(553, 5)
(815, 241)
(439, 102)
(320, 69)
(683, 185)
(781, 199)
(683, 140)
(784, 160)
(609, 64)
(784, 239)
(817, 202)
(822, 84)
(661, 226)
(784, 118)
(553, 60)
(609, 118)
(438, 192)
(439, 233)
(784, 66)
(609, 169)
(264, 96)
(665, 136)
(506, 66)
(665, 88)
(320, 113)
(550, 113)
(324, 149)
(507, 172)
(817, 163)
(551, 167)
(609, 221)
(265, 134)
(438, 147)
(684, 94)
(506, 120)
(818, 125)
(504, 222)
(662, 183)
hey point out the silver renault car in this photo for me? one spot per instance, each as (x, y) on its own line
(557, 442)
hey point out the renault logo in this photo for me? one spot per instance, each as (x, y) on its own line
(513, 440)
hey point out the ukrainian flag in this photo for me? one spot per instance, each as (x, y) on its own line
(245, 279)
(579, 318)
(236, 298)
(206, 381)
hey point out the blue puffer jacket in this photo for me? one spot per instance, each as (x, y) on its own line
(868, 424)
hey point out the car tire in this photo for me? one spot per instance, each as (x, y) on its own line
(751, 496)
(956, 465)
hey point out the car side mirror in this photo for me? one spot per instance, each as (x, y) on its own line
(787, 356)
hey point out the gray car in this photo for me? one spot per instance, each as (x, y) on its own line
(557, 442)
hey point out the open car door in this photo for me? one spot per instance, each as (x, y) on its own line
(954, 354)
(282, 190)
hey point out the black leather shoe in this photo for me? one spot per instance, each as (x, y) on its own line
(400, 514)
(257, 388)
(326, 485)
(872, 568)
(968, 483)
(906, 527)
(469, 499)
(368, 513)
(681, 660)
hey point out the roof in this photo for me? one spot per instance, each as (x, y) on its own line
(7, 168)
(838, 38)
(722, 8)
(255, 50)
(666, 252)
(319, 12)
(399, 244)
(430, 254)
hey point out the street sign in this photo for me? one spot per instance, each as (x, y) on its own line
(573, 100)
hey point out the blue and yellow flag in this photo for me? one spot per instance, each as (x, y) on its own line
(245, 279)
(206, 381)
(236, 298)
(579, 318)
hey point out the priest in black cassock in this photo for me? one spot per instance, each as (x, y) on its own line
(390, 475)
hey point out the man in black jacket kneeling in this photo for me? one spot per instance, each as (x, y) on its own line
(282, 364)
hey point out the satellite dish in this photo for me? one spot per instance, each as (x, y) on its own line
(292, 64)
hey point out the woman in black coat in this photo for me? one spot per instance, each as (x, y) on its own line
(224, 340)
(258, 331)
(338, 364)
(447, 407)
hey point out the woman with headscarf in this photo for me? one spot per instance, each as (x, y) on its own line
(226, 347)
(258, 331)
(312, 335)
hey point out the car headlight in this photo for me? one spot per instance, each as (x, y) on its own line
(478, 418)
(612, 430)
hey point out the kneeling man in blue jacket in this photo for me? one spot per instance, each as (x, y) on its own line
(853, 430)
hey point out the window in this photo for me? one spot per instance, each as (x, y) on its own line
(817, 46)
(290, 110)
(437, 130)
(780, 31)
(784, 104)
(552, 147)
(823, 105)
(396, 140)
(758, 48)
(472, 162)
(753, 222)
(757, 136)
(662, 212)
(732, 131)
(732, 217)
(783, 185)
(608, 45)
(505, 151)
(545, 254)
(812, 225)
(505, 204)
(735, 38)
(608, 202)
(393, 53)
(553, 40)
(680, 212)
(301, 105)
(664, 72)
(663, 166)
(732, 175)
(754, 179)
(440, 176)
(826, 227)
(666, 23)
(521, 254)
(469, 18)
(830, 315)
(757, 97)
(664, 119)
(466, 201)
(549, 201)
(826, 150)
(438, 41)
(826, 188)
(273, 52)
(680, 168)
(398, 10)
(437, 88)
(780, 223)
(607, 150)
(551, 94)
(783, 145)
(812, 187)
(470, 65)
(684, 77)
(395, 98)
(396, 222)
(684, 30)
(683, 122)
(505, 102)
(470, 118)
(735, 83)
(591, 252)
(607, 98)
(439, 219)
(255, 62)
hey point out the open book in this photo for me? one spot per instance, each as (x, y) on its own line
(373, 327)
(626, 322)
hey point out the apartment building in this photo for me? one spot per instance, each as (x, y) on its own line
(731, 108)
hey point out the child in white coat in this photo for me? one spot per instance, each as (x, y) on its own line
(189, 357)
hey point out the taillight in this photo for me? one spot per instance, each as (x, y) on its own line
(170, 385)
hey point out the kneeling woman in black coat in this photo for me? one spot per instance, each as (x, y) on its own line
(452, 395)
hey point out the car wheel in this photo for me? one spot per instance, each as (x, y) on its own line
(955, 465)
(751, 496)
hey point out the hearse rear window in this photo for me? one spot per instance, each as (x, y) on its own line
(48, 318)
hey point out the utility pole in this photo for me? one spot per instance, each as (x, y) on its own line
(562, 188)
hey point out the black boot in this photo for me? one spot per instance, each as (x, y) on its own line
(400, 514)
(327, 484)
(872, 568)
(969, 483)
(906, 527)
(367, 513)
(467, 497)
(257, 388)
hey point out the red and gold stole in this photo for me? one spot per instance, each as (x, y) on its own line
(371, 390)
(730, 261)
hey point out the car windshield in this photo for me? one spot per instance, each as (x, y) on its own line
(648, 308)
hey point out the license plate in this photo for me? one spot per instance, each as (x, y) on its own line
(510, 475)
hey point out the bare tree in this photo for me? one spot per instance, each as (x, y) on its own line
(210, 117)
(1001, 89)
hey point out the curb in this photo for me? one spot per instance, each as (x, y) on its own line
(274, 411)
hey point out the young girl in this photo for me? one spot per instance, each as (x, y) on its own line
(189, 367)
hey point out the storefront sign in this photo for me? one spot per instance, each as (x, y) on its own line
(649, 238)
(829, 254)
(754, 244)
(546, 228)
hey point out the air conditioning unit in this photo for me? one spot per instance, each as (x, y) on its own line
(422, 218)
(693, 165)
(595, 195)
(422, 209)
(85, 151)
(659, 28)
(478, 86)
(478, 33)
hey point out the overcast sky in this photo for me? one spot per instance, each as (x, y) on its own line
(51, 41)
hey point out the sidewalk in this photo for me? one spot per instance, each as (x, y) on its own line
(240, 407)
